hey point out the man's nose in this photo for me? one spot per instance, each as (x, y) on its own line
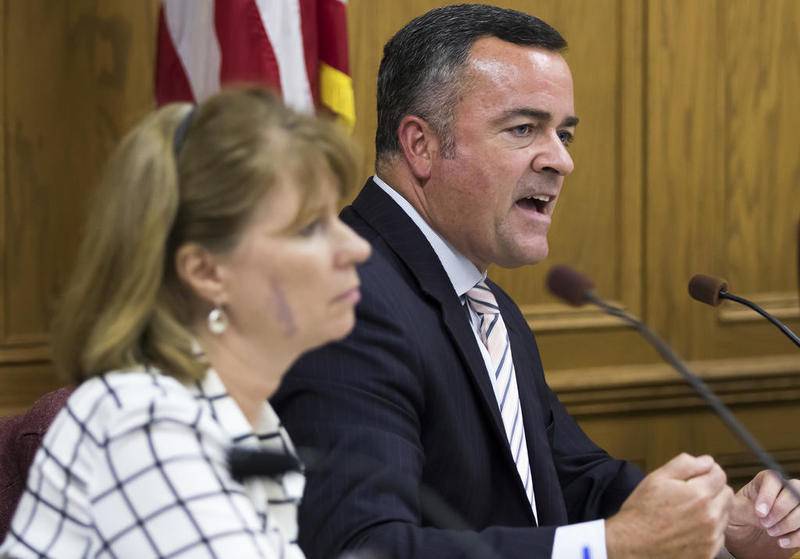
(553, 156)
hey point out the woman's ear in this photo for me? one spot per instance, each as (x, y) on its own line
(199, 269)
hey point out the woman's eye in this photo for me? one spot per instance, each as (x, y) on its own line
(566, 137)
(312, 228)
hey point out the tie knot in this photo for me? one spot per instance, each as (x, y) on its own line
(482, 300)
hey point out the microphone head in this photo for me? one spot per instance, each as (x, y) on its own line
(245, 463)
(569, 285)
(706, 289)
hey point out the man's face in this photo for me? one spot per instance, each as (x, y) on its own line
(515, 117)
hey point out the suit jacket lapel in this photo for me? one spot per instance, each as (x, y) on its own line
(383, 214)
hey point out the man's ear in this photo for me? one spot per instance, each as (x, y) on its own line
(419, 143)
(200, 270)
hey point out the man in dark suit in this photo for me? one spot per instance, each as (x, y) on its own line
(433, 418)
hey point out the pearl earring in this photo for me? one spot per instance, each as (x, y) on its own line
(217, 320)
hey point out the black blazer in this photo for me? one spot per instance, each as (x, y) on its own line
(404, 419)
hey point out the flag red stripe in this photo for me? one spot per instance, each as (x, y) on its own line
(247, 54)
(171, 82)
(332, 18)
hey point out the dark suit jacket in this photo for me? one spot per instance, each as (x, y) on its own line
(407, 426)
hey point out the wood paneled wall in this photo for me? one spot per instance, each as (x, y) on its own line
(75, 76)
(685, 162)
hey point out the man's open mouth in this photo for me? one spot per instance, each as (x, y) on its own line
(536, 202)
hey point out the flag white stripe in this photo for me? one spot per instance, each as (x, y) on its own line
(283, 26)
(191, 26)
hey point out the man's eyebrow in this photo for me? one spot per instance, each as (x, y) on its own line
(570, 122)
(537, 114)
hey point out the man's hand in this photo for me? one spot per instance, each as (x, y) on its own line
(765, 520)
(679, 511)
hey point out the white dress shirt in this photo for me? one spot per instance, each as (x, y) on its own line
(576, 541)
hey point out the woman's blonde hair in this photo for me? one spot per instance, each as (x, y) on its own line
(124, 305)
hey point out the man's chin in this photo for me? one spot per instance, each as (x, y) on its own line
(525, 256)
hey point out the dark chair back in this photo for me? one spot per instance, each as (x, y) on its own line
(20, 438)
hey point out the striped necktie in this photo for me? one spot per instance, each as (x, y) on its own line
(493, 334)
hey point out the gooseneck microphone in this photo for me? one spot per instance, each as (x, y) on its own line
(576, 290)
(712, 291)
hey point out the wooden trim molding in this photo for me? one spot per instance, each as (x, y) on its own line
(25, 350)
(780, 305)
(560, 317)
(657, 388)
(25, 354)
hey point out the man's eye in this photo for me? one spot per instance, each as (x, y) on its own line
(522, 130)
(566, 137)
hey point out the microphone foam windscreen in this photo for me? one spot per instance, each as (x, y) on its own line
(706, 289)
(568, 285)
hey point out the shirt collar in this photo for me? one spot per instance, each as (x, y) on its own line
(227, 412)
(463, 274)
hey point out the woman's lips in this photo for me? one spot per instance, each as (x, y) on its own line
(351, 296)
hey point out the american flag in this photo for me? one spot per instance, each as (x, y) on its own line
(298, 47)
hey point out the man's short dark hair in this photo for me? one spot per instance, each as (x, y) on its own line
(422, 64)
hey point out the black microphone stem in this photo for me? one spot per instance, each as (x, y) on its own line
(782, 327)
(700, 387)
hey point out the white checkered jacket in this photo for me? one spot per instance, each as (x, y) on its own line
(135, 466)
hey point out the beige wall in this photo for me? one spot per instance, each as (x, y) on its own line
(686, 162)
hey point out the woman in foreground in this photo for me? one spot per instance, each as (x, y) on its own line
(213, 258)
